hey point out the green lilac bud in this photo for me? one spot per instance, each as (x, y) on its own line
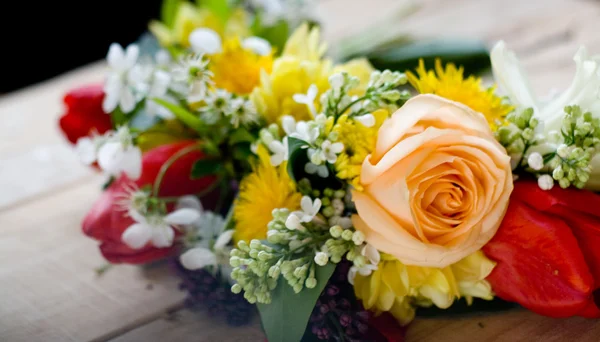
(328, 192)
(336, 259)
(336, 231)
(339, 194)
(325, 201)
(358, 238)
(297, 288)
(571, 175)
(234, 261)
(563, 151)
(310, 283)
(347, 235)
(527, 134)
(255, 244)
(579, 184)
(359, 261)
(236, 288)
(264, 256)
(321, 258)
(583, 176)
(328, 211)
(253, 253)
(576, 153)
(558, 173)
(351, 254)
(564, 183)
(316, 193)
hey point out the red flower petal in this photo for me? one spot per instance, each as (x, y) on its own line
(540, 264)
(84, 113)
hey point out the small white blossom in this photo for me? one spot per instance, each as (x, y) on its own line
(258, 45)
(535, 161)
(310, 209)
(331, 150)
(316, 156)
(192, 78)
(119, 154)
(372, 255)
(545, 182)
(305, 131)
(87, 150)
(158, 89)
(336, 81)
(288, 123)
(320, 170)
(321, 258)
(205, 40)
(125, 81)
(200, 257)
(156, 228)
(279, 150)
(368, 120)
(293, 223)
(308, 99)
(241, 111)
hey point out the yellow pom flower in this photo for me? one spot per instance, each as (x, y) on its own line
(399, 288)
(237, 69)
(189, 17)
(359, 141)
(268, 187)
(451, 84)
(300, 65)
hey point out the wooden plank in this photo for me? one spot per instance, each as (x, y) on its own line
(50, 290)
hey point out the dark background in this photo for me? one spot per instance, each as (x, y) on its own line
(42, 39)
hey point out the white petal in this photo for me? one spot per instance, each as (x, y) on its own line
(127, 100)
(277, 159)
(300, 98)
(162, 57)
(310, 168)
(352, 274)
(86, 150)
(137, 235)
(337, 147)
(162, 236)
(116, 56)
(306, 204)
(183, 216)
(277, 147)
(131, 162)
(368, 120)
(258, 45)
(293, 222)
(190, 202)
(371, 253)
(224, 239)
(204, 40)
(160, 84)
(289, 124)
(109, 158)
(322, 171)
(312, 92)
(316, 206)
(511, 78)
(197, 258)
(131, 55)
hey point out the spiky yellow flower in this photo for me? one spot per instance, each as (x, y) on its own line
(359, 141)
(189, 17)
(450, 83)
(399, 288)
(268, 187)
(300, 65)
(237, 69)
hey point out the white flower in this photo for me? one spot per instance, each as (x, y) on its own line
(87, 150)
(331, 150)
(192, 78)
(308, 99)
(123, 80)
(118, 154)
(372, 255)
(305, 131)
(321, 258)
(320, 170)
(279, 150)
(293, 223)
(158, 89)
(241, 111)
(309, 208)
(257, 45)
(336, 81)
(205, 40)
(368, 120)
(200, 257)
(545, 182)
(535, 161)
(156, 228)
(288, 123)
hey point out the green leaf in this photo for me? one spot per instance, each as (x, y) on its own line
(473, 55)
(277, 35)
(240, 135)
(220, 8)
(297, 156)
(187, 117)
(206, 167)
(168, 11)
(285, 319)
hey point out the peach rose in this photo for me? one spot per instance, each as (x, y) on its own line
(437, 185)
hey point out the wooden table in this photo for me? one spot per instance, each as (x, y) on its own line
(49, 290)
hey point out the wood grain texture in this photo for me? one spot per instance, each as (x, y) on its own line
(48, 288)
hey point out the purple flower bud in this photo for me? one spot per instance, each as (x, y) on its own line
(363, 315)
(344, 304)
(362, 328)
(315, 329)
(350, 331)
(345, 320)
(323, 334)
(332, 290)
(332, 304)
(324, 309)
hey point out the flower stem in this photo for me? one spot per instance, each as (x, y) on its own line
(167, 165)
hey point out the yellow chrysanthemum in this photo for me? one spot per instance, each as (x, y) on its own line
(237, 69)
(451, 84)
(189, 17)
(267, 188)
(399, 288)
(300, 65)
(359, 141)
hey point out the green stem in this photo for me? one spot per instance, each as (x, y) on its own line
(167, 165)
(352, 104)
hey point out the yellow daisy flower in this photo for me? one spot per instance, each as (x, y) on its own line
(268, 187)
(237, 69)
(399, 288)
(451, 84)
(359, 141)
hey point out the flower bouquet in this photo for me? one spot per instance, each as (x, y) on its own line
(337, 200)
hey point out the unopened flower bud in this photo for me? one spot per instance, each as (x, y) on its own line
(563, 151)
(545, 182)
(358, 238)
(236, 288)
(336, 231)
(310, 283)
(535, 161)
(321, 259)
(347, 235)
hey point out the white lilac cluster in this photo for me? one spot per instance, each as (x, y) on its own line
(318, 139)
(223, 105)
(297, 243)
(115, 152)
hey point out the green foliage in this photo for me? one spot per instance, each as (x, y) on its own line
(206, 167)
(168, 11)
(187, 117)
(286, 318)
(277, 34)
(297, 157)
(219, 7)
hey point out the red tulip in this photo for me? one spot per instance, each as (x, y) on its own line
(385, 328)
(84, 113)
(548, 251)
(107, 221)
